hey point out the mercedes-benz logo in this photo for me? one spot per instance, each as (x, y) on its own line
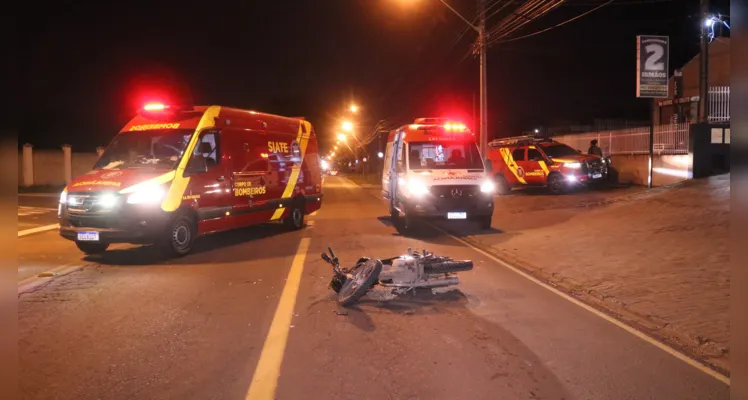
(456, 193)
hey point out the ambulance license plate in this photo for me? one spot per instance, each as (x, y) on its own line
(456, 215)
(88, 236)
(597, 176)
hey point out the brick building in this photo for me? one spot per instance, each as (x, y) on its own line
(683, 105)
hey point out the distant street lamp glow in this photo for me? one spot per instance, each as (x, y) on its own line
(536, 131)
(347, 126)
(353, 108)
(380, 155)
(341, 137)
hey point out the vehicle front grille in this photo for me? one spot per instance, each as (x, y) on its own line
(87, 210)
(593, 167)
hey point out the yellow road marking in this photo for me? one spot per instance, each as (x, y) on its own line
(675, 353)
(265, 378)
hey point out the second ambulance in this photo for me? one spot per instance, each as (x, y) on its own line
(433, 169)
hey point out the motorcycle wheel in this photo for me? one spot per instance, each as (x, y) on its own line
(445, 267)
(364, 275)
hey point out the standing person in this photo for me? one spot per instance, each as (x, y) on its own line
(594, 149)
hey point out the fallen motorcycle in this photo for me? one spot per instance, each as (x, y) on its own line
(385, 279)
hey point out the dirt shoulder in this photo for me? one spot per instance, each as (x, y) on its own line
(656, 259)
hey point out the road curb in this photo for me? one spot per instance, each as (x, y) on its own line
(33, 283)
(666, 335)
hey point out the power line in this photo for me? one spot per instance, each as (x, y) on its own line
(554, 26)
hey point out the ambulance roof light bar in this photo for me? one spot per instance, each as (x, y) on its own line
(155, 107)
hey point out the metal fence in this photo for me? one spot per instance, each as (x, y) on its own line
(719, 104)
(668, 139)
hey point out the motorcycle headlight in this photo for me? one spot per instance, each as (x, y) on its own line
(573, 165)
(147, 195)
(487, 187)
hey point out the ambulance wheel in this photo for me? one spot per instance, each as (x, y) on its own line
(92, 248)
(485, 222)
(394, 215)
(502, 186)
(180, 235)
(295, 219)
(556, 184)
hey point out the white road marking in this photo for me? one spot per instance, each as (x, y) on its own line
(662, 346)
(38, 229)
(24, 211)
(629, 329)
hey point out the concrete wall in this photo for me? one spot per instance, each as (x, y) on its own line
(667, 169)
(49, 166)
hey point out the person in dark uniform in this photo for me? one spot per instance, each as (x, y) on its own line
(594, 149)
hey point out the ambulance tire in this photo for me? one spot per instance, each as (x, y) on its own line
(92, 248)
(394, 216)
(502, 186)
(295, 219)
(180, 236)
(556, 184)
(485, 222)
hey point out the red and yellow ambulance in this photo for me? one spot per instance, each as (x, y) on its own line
(174, 173)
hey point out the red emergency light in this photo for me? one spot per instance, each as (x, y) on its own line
(155, 107)
(454, 127)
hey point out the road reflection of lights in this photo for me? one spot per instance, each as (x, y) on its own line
(680, 173)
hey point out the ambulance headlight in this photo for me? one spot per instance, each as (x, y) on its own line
(147, 195)
(573, 165)
(64, 197)
(415, 187)
(108, 200)
(487, 187)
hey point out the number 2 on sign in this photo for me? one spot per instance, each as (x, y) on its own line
(654, 57)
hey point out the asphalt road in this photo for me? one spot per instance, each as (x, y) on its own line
(132, 325)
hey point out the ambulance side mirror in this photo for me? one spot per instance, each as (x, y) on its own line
(197, 165)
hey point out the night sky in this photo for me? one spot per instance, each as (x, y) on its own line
(86, 67)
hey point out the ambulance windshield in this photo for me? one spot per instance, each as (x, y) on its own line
(444, 155)
(157, 149)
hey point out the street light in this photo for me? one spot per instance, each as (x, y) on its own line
(353, 108)
(347, 126)
(536, 130)
(341, 137)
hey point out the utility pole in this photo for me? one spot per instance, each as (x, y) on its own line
(483, 46)
(704, 64)
(483, 43)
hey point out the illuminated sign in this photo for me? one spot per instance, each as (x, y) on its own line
(99, 183)
(147, 127)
